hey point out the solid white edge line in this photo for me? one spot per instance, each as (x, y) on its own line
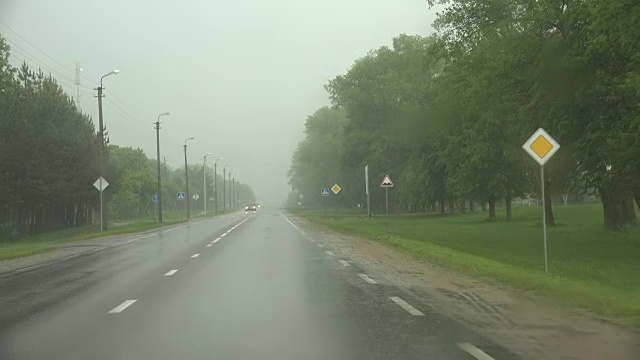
(367, 279)
(195, 256)
(403, 304)
(344, 263)
(474, 351)
(120, 308)
(294, 225)
(209, 245)
(329, 253)
(216, 240)
(171, 272)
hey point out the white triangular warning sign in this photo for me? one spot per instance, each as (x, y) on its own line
(386, 182)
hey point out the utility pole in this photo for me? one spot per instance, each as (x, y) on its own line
(103, 220)
(230, 191)
(103, 223)
(204, 181)
(224, 188)
(215, 181)
(158, 157)
(186, 175)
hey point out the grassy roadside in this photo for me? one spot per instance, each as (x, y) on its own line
(42, 243)
(589, 267)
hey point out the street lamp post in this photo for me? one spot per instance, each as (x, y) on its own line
(230, 191)
(186, 175)
(103, 223)
(158, 154)
(215, 181)
(224, 188)
(204, 175)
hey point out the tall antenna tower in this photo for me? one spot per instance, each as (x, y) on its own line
(78, 83)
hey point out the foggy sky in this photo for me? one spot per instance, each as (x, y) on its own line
(239, 76)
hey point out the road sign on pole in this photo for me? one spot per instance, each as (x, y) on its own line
(325, 192)
(386, 182)
(155, 198)
(196, 197)
(181, 196)
(101, 184)
(541, 146)
(336, 189)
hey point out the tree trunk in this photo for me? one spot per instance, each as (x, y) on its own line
(463, 206)
(628, 211)
(483, 206)
(617, 206)
(471, 206)
(452, 205)
(636, 195)
(442, 208)
(492, 208)
(507, 202)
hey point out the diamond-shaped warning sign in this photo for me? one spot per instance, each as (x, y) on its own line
(386, 182)
(541, 146)
(336, 189)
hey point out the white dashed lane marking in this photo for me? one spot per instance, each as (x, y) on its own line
(329, 253)
(474, 351)
(195, 256)
(120, 308)
(403, 304)
(320, 245)
(367, 279)
(344, 263)
(216, 240)
(171, 272)
(209, 245)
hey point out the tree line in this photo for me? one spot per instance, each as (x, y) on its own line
(49, 156)
(446, 115)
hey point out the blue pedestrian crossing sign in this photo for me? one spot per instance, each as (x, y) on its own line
(325, 192)
(181, 196)
(155, 198)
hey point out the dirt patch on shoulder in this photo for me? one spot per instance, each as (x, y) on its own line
(529, 326)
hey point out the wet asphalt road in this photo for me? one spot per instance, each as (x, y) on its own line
(262, 291)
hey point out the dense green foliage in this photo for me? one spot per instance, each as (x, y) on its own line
(49, 159)
(446, 115)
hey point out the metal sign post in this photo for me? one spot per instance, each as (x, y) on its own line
(386, 184)
(101, 184)
(336, 189)
(541, 146)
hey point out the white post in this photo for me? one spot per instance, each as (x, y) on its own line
(204, 175)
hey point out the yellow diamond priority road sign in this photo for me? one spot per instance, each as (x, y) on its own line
(336, 189)
(541, 146)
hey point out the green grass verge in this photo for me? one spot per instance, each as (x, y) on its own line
(42, 243)
(589, 266)
(15, 253)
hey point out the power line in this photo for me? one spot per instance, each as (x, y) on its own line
(115, 107)
(111, 94)
(35, 47)
(26, 54)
